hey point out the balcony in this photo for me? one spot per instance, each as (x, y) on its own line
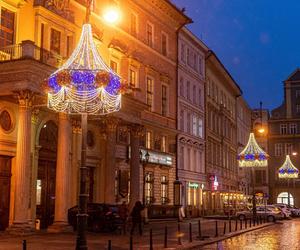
(60, 8)
(28, 50)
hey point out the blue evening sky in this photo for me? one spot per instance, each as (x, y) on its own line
(258, 41)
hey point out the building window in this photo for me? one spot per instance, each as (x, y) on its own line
(182, 120)
(194, 125)
(283, 129)
(55, 41)
(114, 66)
(149, 194)
(188, 123)
(200, 65)
(164, 44)
(297, 93)
(38, 192)
(69, 45)
(7, 27)
(192, 190)
(133, 78)
(200, 97)
(148, 139)
(133, 24)
(194, 93)
(150, 34)
(182, 53)
(278, 149)
(288, 148)
(181, 87)
(164, 144)
(149, 96)
(200, 128)
(298, 108)
(164, 100)
(188, 90)
(293, 128)
(164, 190)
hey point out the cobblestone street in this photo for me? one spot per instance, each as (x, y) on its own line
(283, 236)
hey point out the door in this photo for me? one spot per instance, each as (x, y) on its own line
(45, 196)
(5, 175)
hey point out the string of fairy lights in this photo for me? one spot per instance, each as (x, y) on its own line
(252, 155)
(85, 84)
(288, 170)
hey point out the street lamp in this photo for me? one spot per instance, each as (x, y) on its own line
(84, 85)
(253, 156)
(111, 15)
(144, 158)
(288, 171)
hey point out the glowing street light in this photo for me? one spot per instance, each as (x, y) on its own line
(112, 15)
(261, 130)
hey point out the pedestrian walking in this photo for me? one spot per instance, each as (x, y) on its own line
(137, 217)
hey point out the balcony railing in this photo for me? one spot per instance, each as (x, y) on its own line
(60, 8)
(27, 49)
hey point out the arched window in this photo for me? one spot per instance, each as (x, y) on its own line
(284, 197)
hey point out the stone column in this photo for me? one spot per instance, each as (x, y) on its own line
(62, 175)
(110, 160)
(20, 223)
(135, 168)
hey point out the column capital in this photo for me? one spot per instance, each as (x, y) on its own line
(25, 98)
(111, 123)
(35, 116)
(76, 127)
(136, 130)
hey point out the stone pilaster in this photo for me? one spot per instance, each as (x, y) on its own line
(110, 160)
(20, 224)
(62, 175)
(136, 192)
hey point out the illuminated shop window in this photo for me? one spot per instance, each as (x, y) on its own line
(164, 190)
(38, 192)
(149, 194)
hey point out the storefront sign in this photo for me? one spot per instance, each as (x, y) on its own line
(216, 183)
(157, 158)
(193, 185)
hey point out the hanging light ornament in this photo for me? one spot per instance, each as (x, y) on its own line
(85, 84)
(288, 170)
(253, 155)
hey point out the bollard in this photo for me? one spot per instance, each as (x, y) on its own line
(216, 229)
(224, 232)
(229, 225)
(151, 240)
(253, 221)
(190, 232)
(241, 224)
(236, 224)
(166, 237)
(109, 245)
(260, 218)
(130, 243)
(250, 222)
(179, 234)
(199, 229)
(24, 245)
(246, 223)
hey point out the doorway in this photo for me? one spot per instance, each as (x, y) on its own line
(5, 175)
(46, 176)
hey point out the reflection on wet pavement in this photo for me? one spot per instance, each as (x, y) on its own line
(285, 236)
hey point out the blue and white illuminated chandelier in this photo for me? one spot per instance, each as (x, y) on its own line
(85, 84)
(288, 170)
(253, 155)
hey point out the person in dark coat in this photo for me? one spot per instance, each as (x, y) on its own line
(137, 217)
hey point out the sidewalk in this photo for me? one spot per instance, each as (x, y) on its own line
(66, 241)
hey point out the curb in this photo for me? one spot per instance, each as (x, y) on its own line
(224, 237)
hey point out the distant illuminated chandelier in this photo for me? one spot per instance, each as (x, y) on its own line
(85, 84)
(253, 155)
(288, 170)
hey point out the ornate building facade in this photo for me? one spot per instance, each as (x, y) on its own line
(40, 150)
(284, 139)
(191, 121)
(222, 192)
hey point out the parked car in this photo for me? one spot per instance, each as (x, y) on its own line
(271, 213)
(295, 210)
(286, 211)
(101, 217)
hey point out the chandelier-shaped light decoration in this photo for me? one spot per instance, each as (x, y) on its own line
(288, 170)
(253, 155)
(85, 84)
